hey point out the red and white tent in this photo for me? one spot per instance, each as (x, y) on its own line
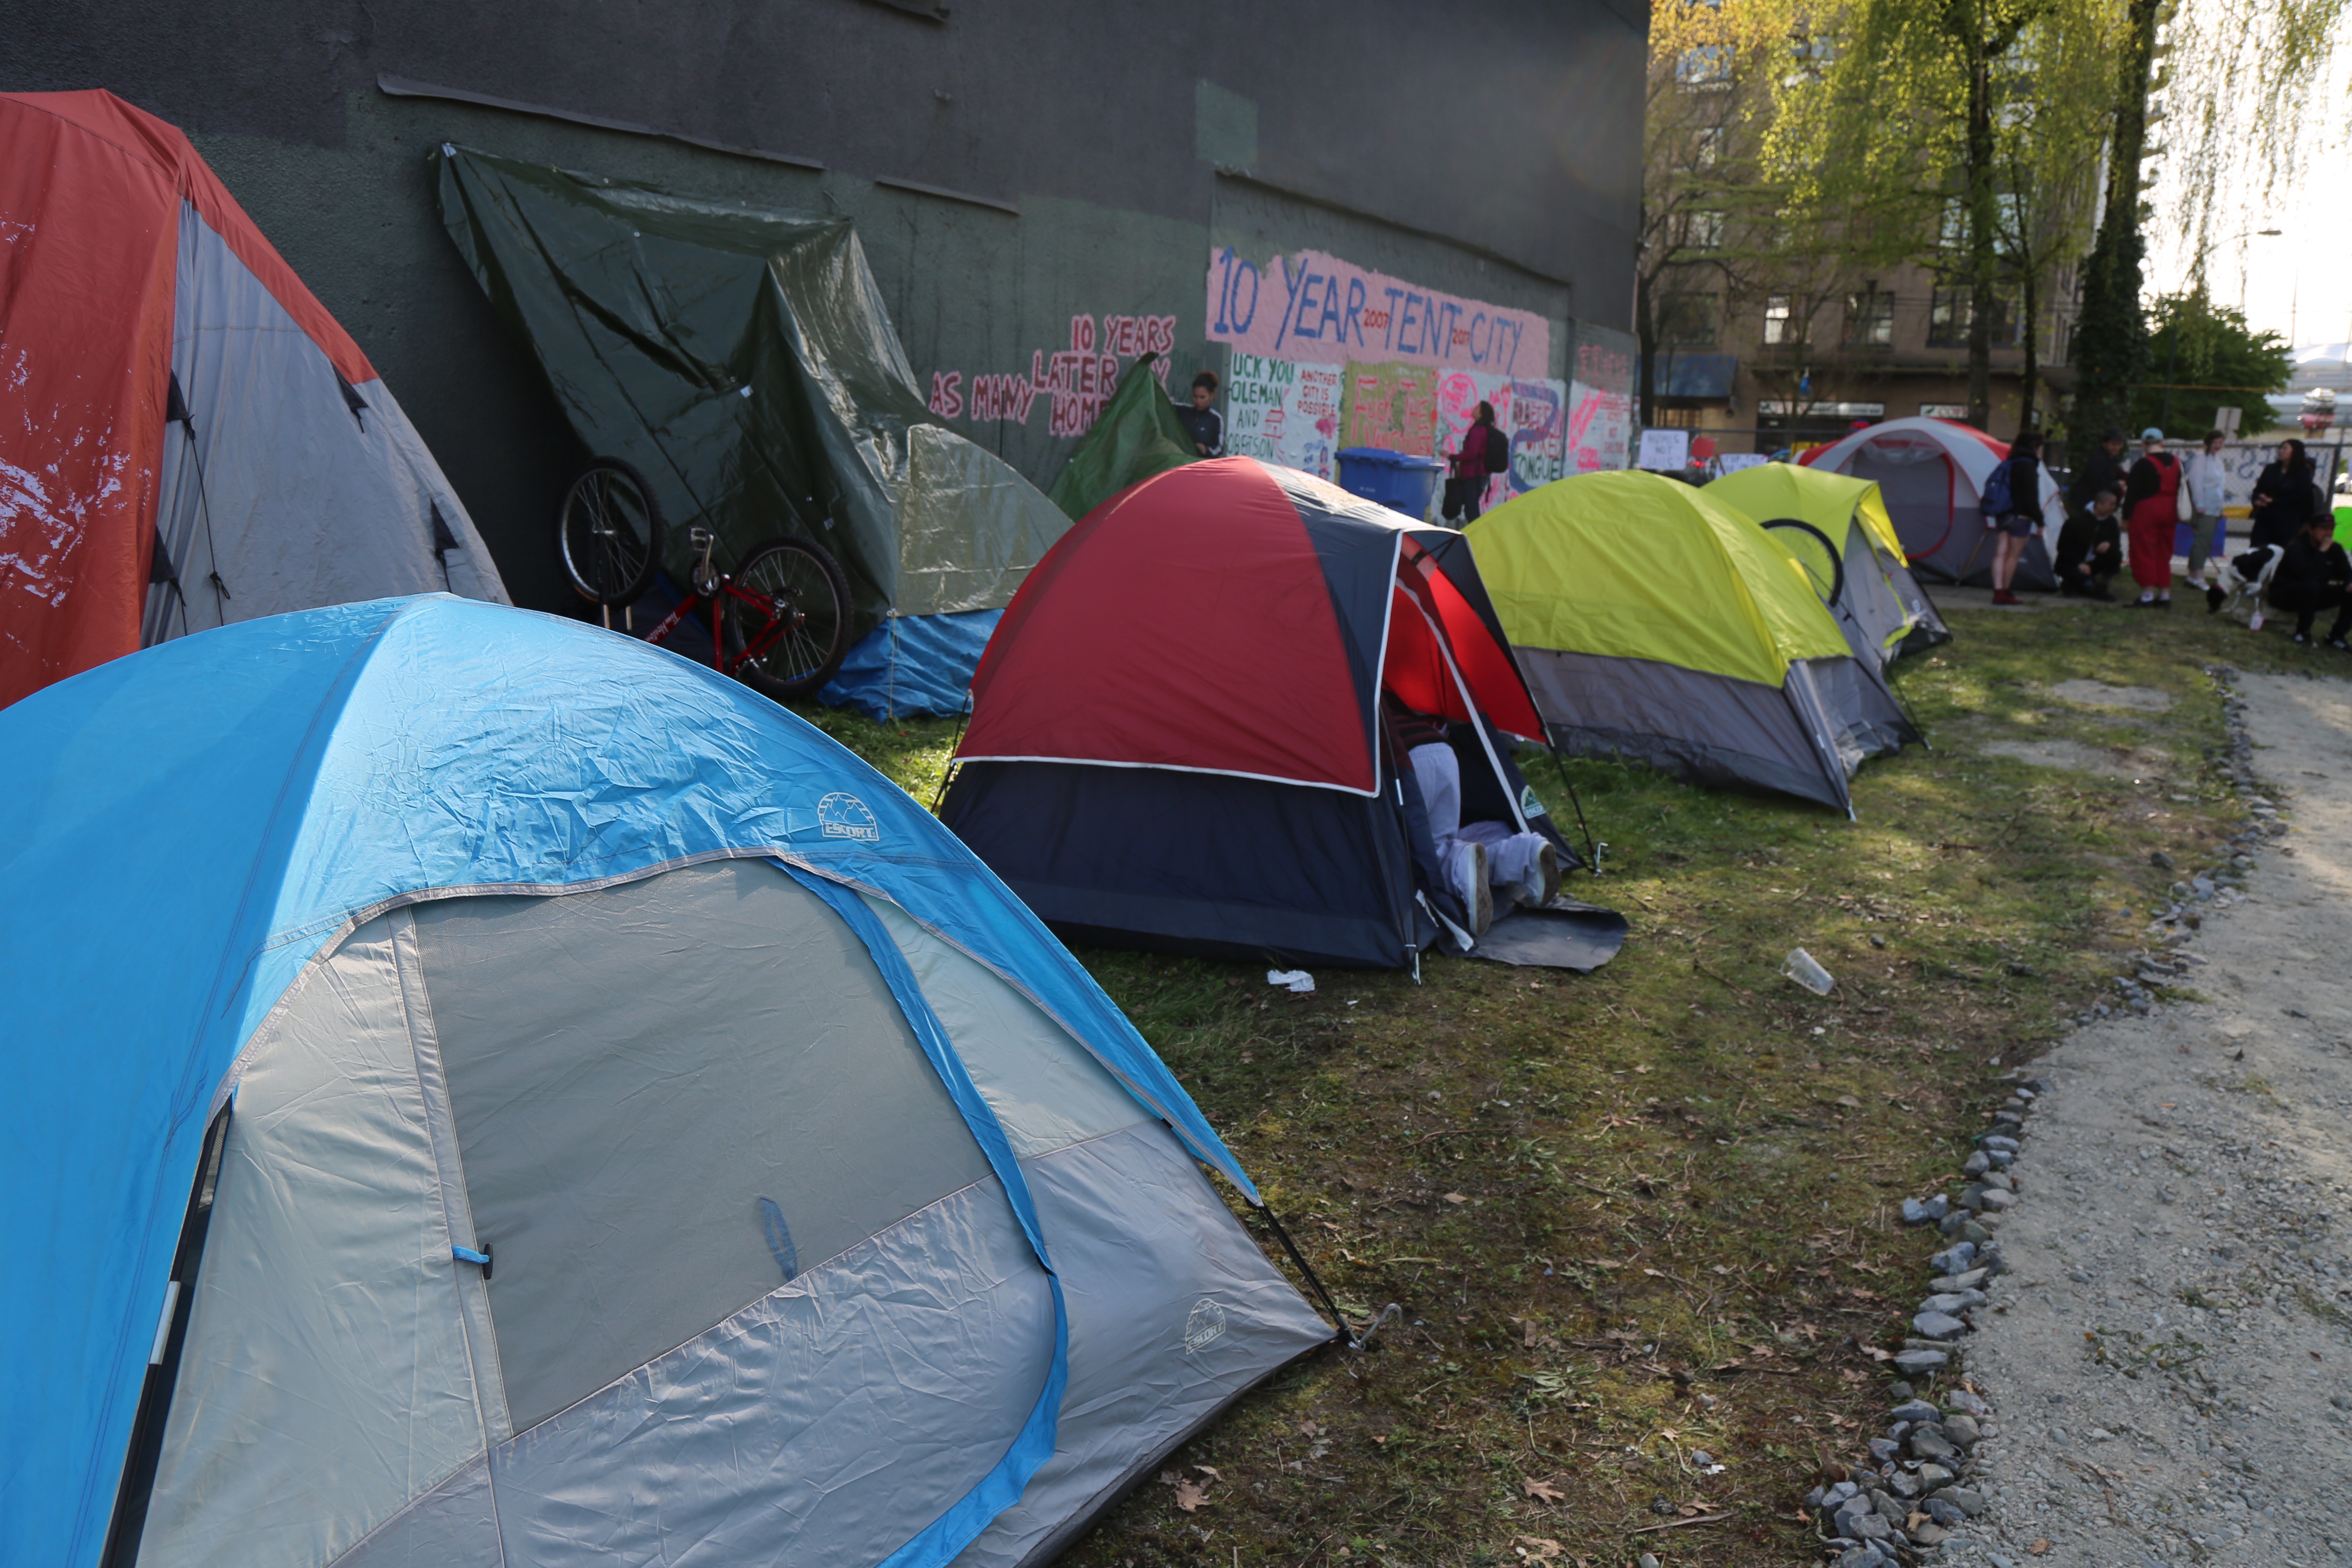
(187, 438)
(1930, 472)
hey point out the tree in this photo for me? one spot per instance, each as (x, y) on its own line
(2111, 335)
(2205, 357)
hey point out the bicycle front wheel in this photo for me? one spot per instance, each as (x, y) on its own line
(608, 533)
(788, 627)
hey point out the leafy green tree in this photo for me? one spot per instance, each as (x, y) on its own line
(2203, 356)
(2110, 349)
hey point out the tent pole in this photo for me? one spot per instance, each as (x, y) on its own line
(1591, 850)
(1315, 1284)
(964, 716)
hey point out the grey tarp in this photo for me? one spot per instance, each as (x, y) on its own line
(284, 489)
(741, 359)
(755, 1294)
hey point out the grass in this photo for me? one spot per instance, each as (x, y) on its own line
(1648, 1213)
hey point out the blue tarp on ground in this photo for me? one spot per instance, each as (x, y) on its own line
(190, 825)
(912, 665)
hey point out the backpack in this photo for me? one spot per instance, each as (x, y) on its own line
(1996, 501)
(1498, 451)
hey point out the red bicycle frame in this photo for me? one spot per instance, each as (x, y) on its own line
(714, 588)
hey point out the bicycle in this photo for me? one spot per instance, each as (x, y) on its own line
(779, 623)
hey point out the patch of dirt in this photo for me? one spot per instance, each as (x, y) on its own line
(2169, 1354)
(2099, 694)
(2070, 754)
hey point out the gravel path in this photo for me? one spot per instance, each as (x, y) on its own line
(2169, 1356)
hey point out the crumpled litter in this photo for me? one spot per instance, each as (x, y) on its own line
(1297, 981)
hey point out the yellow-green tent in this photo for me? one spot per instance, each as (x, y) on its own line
(1879, 603)
(1655, 622)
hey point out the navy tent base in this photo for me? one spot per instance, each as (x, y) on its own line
(1201, 863)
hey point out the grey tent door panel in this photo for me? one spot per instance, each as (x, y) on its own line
(1173, 1313)
(671, 1096)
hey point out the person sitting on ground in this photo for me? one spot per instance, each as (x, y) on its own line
(2023, 518)
(2315, 575)
(1203, 423)
(2152, 514)
(1479, 859)
(2090, 549)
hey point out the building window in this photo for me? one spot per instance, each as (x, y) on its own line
(1687, 321)
(1706, 66)
(1779, 324)
(1706, 146)
(1704, 231)
(1870, 319)
(1947, 318)
(1951, 311)
(1944, 410)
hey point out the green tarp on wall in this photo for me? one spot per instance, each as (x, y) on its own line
(1136, 436)
(743, 359)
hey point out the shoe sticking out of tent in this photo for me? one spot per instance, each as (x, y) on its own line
(621, 1127)
(1870, 591)
(1930, 473)
(1177, 739)
(1655, 623)
(193, 439)
(742, 361)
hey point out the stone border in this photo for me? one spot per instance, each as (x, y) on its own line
(1909, 1496)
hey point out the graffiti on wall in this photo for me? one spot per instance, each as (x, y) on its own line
(1283, 411)
(1393, 406)
(1528, 411)
(1311, 305)
(1074, 382)
(1599, 408)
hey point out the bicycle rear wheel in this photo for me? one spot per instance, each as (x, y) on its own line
(1815, 553)
(800, 628)
(608, 533)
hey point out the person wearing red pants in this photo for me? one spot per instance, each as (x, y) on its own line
(2152, 510)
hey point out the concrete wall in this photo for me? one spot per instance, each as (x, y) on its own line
(1490, 150)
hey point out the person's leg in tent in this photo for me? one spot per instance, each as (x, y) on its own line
(1524, 864)
(1439, 773)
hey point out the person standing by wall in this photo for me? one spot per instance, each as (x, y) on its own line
(2206, 474)
(1485, 452)
(2282, 499)
(1205, 424)
(2152, 512)
(2021, 518)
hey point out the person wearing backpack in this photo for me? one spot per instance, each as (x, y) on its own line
(2152, 512)
(2013, 514)
(1485, 452)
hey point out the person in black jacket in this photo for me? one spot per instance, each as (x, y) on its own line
(2090, 549)
(2102, 470)
(2315, 575)
(1203, 423)
(2023, 519)
(2282, 498)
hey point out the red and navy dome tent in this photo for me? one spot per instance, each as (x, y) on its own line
(1176, 739)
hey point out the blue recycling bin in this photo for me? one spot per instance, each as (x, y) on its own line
(1398, 481)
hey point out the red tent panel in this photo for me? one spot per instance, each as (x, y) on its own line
(90, 193)
(1185, 624)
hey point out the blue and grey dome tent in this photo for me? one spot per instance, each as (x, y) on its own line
(486, 1092)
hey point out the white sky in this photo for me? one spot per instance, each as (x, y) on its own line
(2300, 284)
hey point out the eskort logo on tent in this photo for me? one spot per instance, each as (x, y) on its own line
(840, 815)
(1205, 1326)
